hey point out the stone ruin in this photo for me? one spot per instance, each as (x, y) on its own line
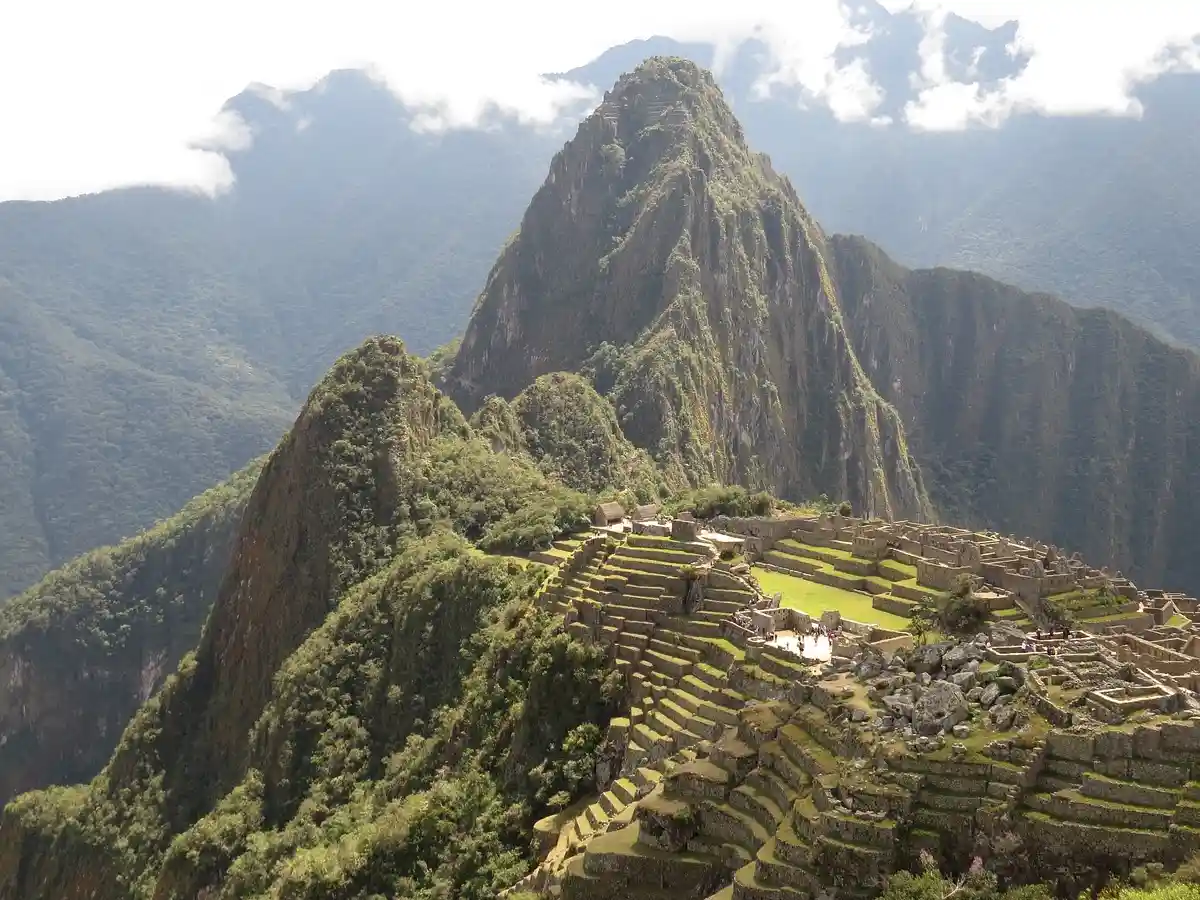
(741, 769)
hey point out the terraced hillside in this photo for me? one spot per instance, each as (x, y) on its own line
(893, 586)
(740, 772)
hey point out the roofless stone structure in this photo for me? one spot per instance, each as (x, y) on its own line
(743, 769)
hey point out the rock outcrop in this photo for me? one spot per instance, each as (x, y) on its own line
(673, 264)
(89, 644)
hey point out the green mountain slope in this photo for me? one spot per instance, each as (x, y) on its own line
(1033, 416)
(84, 648)
(152, 342)
(366, 679)
(674, 262)
(376, 707)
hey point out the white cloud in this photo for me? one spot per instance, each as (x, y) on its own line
(94, 95)
(1087, 57)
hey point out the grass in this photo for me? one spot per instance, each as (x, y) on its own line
(814, 599)
(1178, 621)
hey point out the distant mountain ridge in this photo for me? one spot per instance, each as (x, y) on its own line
(660, 235)
(155, 341)
(152, 342)
(738, 343)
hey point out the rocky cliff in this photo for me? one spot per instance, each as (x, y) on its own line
(672, 261)
(365, 674)
(1032, 416)
(89, 644)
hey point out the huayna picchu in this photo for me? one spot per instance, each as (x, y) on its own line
(504, 622)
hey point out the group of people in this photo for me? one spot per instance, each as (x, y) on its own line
(818, 630)
(1029, 647)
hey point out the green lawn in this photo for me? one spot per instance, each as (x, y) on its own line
(1178, 621)
(814, 599)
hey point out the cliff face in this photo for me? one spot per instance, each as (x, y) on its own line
(678, 267)
(89, 644)
(365, 676)
(322, 517)
(1033, 416)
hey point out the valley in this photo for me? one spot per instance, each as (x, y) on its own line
(527, 616)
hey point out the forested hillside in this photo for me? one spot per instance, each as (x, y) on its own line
(84, 648)
(152, 342)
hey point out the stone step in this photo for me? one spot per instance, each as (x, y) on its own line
(747, 886)
(701, 627)
(648, 738)
(772, 754)
(685, 697)
(712, 675)
(667, 665)
(681, 737)
(767, 782)
(789, 667)
(628, 653)
(641, 590)
(679, 651)
(653, 541)
(727, 602)
(790, 847)
(625, 790)
(774, 870)
(757, 804)
(612, 804)
(633, 639)
(727, 824)
(718, 696)
(629, 564)
(644, 776)
(677, 558)
(1133, 793)
(697, 724)
(1074, 806)
(727, 591)
(597, 818)
(802, 749)
(794, 564)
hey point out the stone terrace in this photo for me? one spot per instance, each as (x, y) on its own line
(743, 771)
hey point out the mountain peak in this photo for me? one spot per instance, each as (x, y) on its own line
(665, 257)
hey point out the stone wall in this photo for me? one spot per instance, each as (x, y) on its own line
(938, 576)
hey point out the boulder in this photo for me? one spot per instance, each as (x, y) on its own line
(869, 665)
(989, 695)
(973, 694)
(965, 680)
(942, 706)
(957, 657)
(1002, 717)
(1007, 684)
(899, 706)
(927, 658)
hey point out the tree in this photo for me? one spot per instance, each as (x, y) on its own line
(922, 620)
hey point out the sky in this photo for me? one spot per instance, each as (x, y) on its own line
(99, 95)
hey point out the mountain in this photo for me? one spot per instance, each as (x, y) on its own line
(665, 255)
(152, 341)
(739, 344)
(1033, 416)
(361, 660)
(89, 644)
(1092, 208)
(383, 701)
(155, 341)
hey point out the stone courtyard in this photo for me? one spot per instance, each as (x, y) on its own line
(767, 753)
